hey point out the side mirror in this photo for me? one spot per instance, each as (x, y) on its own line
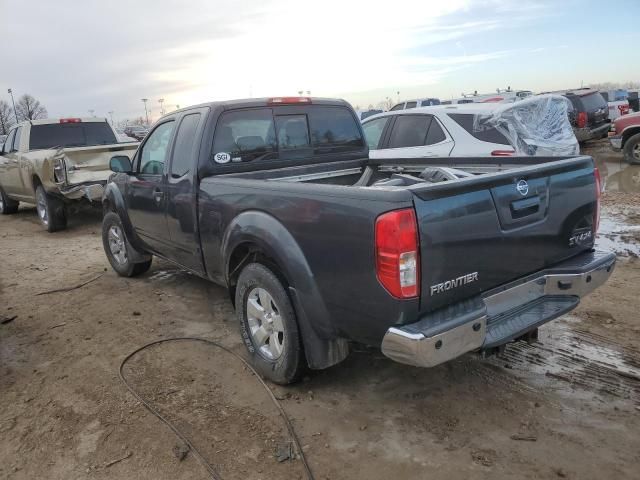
(120, 164)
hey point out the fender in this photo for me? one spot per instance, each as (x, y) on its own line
(113, 196)
(322, 347)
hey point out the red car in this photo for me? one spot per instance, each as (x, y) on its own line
(625, 135)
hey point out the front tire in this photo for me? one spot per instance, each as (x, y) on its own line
(118, 249)
(51, 211)
(632, 149)
(7, 205)
(268, 325)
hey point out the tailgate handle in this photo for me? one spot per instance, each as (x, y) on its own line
(525, 207)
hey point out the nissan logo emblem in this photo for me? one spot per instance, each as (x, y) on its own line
(523, 187)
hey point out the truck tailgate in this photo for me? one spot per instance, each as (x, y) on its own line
(480, 233)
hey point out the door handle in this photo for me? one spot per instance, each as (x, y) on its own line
(158, 194)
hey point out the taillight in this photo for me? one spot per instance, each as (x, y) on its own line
(397, 254)
(70, 120)
(288, 100)
(596, 213)
(581, 119)
(503, 153)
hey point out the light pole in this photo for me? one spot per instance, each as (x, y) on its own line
(10, 92)
(146, 114)
(111, 115)
(398, 93)
(160, 101)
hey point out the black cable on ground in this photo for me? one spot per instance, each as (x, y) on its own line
(180, 435)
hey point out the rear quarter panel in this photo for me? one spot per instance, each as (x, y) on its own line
(334, 228)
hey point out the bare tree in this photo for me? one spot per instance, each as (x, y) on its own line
(614, 85)
(7, 120)
(30, 109)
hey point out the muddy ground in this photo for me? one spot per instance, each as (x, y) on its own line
(567, 407)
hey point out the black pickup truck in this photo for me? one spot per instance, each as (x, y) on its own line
(277, 200)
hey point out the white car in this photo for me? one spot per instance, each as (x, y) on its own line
(534, 126)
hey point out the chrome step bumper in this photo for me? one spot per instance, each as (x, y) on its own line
(500, 315)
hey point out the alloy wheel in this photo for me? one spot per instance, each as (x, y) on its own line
(117, 245)
(265, 324)
(41, 206)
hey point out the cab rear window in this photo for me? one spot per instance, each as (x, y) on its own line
(264, 134)
(70, 135)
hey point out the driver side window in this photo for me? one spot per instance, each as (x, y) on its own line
(154, 151)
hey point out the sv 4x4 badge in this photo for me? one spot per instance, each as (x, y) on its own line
(580, 238)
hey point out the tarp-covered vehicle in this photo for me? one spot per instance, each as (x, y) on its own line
(536, 126)
(57, 164)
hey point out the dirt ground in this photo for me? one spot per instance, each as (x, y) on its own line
(567, 407)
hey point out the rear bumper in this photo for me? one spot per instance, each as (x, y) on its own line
(91, 191)
(499, 316)
(583, 134)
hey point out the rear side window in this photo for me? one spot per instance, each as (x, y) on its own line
(70, 135)
(185, 145)
(435, 135)
(410, 105)
(245, 135)
(373, 131)
(333, 130)
(399, 106)
(593, 101)
(16, 141)
(483, 133)
(429, 102)
(409, 131)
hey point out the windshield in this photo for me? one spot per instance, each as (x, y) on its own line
(70, 135)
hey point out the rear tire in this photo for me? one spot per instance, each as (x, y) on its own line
(51, 211)
(268, 325)
(7, 205)
(632, 149)
(118, 249)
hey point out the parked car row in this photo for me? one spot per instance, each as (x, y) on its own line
(590, 113)
(137, 132)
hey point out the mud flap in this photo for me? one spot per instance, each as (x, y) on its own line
(320, 352)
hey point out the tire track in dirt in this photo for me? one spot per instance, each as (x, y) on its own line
(580, 358)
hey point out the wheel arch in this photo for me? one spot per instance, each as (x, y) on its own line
(113, 201)
(260, 236)
(628, 133)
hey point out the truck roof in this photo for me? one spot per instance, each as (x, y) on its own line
(49, 121)
(266, 102)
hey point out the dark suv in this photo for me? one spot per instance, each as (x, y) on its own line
(590, 114)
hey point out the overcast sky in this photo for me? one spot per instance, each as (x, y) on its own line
(106, 55)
